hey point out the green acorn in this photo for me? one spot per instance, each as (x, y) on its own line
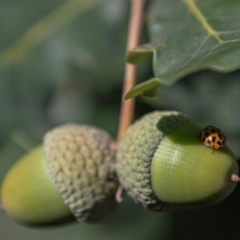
(70, 177)
(163, 163)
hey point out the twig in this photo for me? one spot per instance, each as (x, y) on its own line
(135, 25)
(127, 107)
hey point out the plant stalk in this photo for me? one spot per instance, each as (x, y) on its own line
(127, 107)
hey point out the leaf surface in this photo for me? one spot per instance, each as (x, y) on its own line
(191, 35)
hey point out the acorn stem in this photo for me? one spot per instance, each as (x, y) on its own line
(119, 193)
(235, 178)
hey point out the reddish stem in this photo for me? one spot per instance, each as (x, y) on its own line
(134, 33)
(127, 107)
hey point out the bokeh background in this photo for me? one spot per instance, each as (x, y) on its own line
(71, 70)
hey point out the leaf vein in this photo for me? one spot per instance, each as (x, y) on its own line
(196, 52)
(200, 17)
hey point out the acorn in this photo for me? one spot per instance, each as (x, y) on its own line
(71, 177)
(163, 164)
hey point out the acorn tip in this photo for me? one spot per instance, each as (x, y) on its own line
(235, 178)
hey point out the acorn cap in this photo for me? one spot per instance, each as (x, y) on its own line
(81, 160)
(136, 151)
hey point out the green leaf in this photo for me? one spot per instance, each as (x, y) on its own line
(146, 89)
(187, 36)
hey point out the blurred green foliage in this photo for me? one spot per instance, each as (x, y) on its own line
(75, 74)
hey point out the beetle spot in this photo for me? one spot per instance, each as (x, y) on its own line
(218, 142)
(206, 134)
(214, 139)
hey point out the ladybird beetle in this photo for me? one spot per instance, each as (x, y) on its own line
(213, 137)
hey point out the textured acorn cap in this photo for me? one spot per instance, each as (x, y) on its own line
(81, 160)
(136, 151)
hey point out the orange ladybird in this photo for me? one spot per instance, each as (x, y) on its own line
(213, 137)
